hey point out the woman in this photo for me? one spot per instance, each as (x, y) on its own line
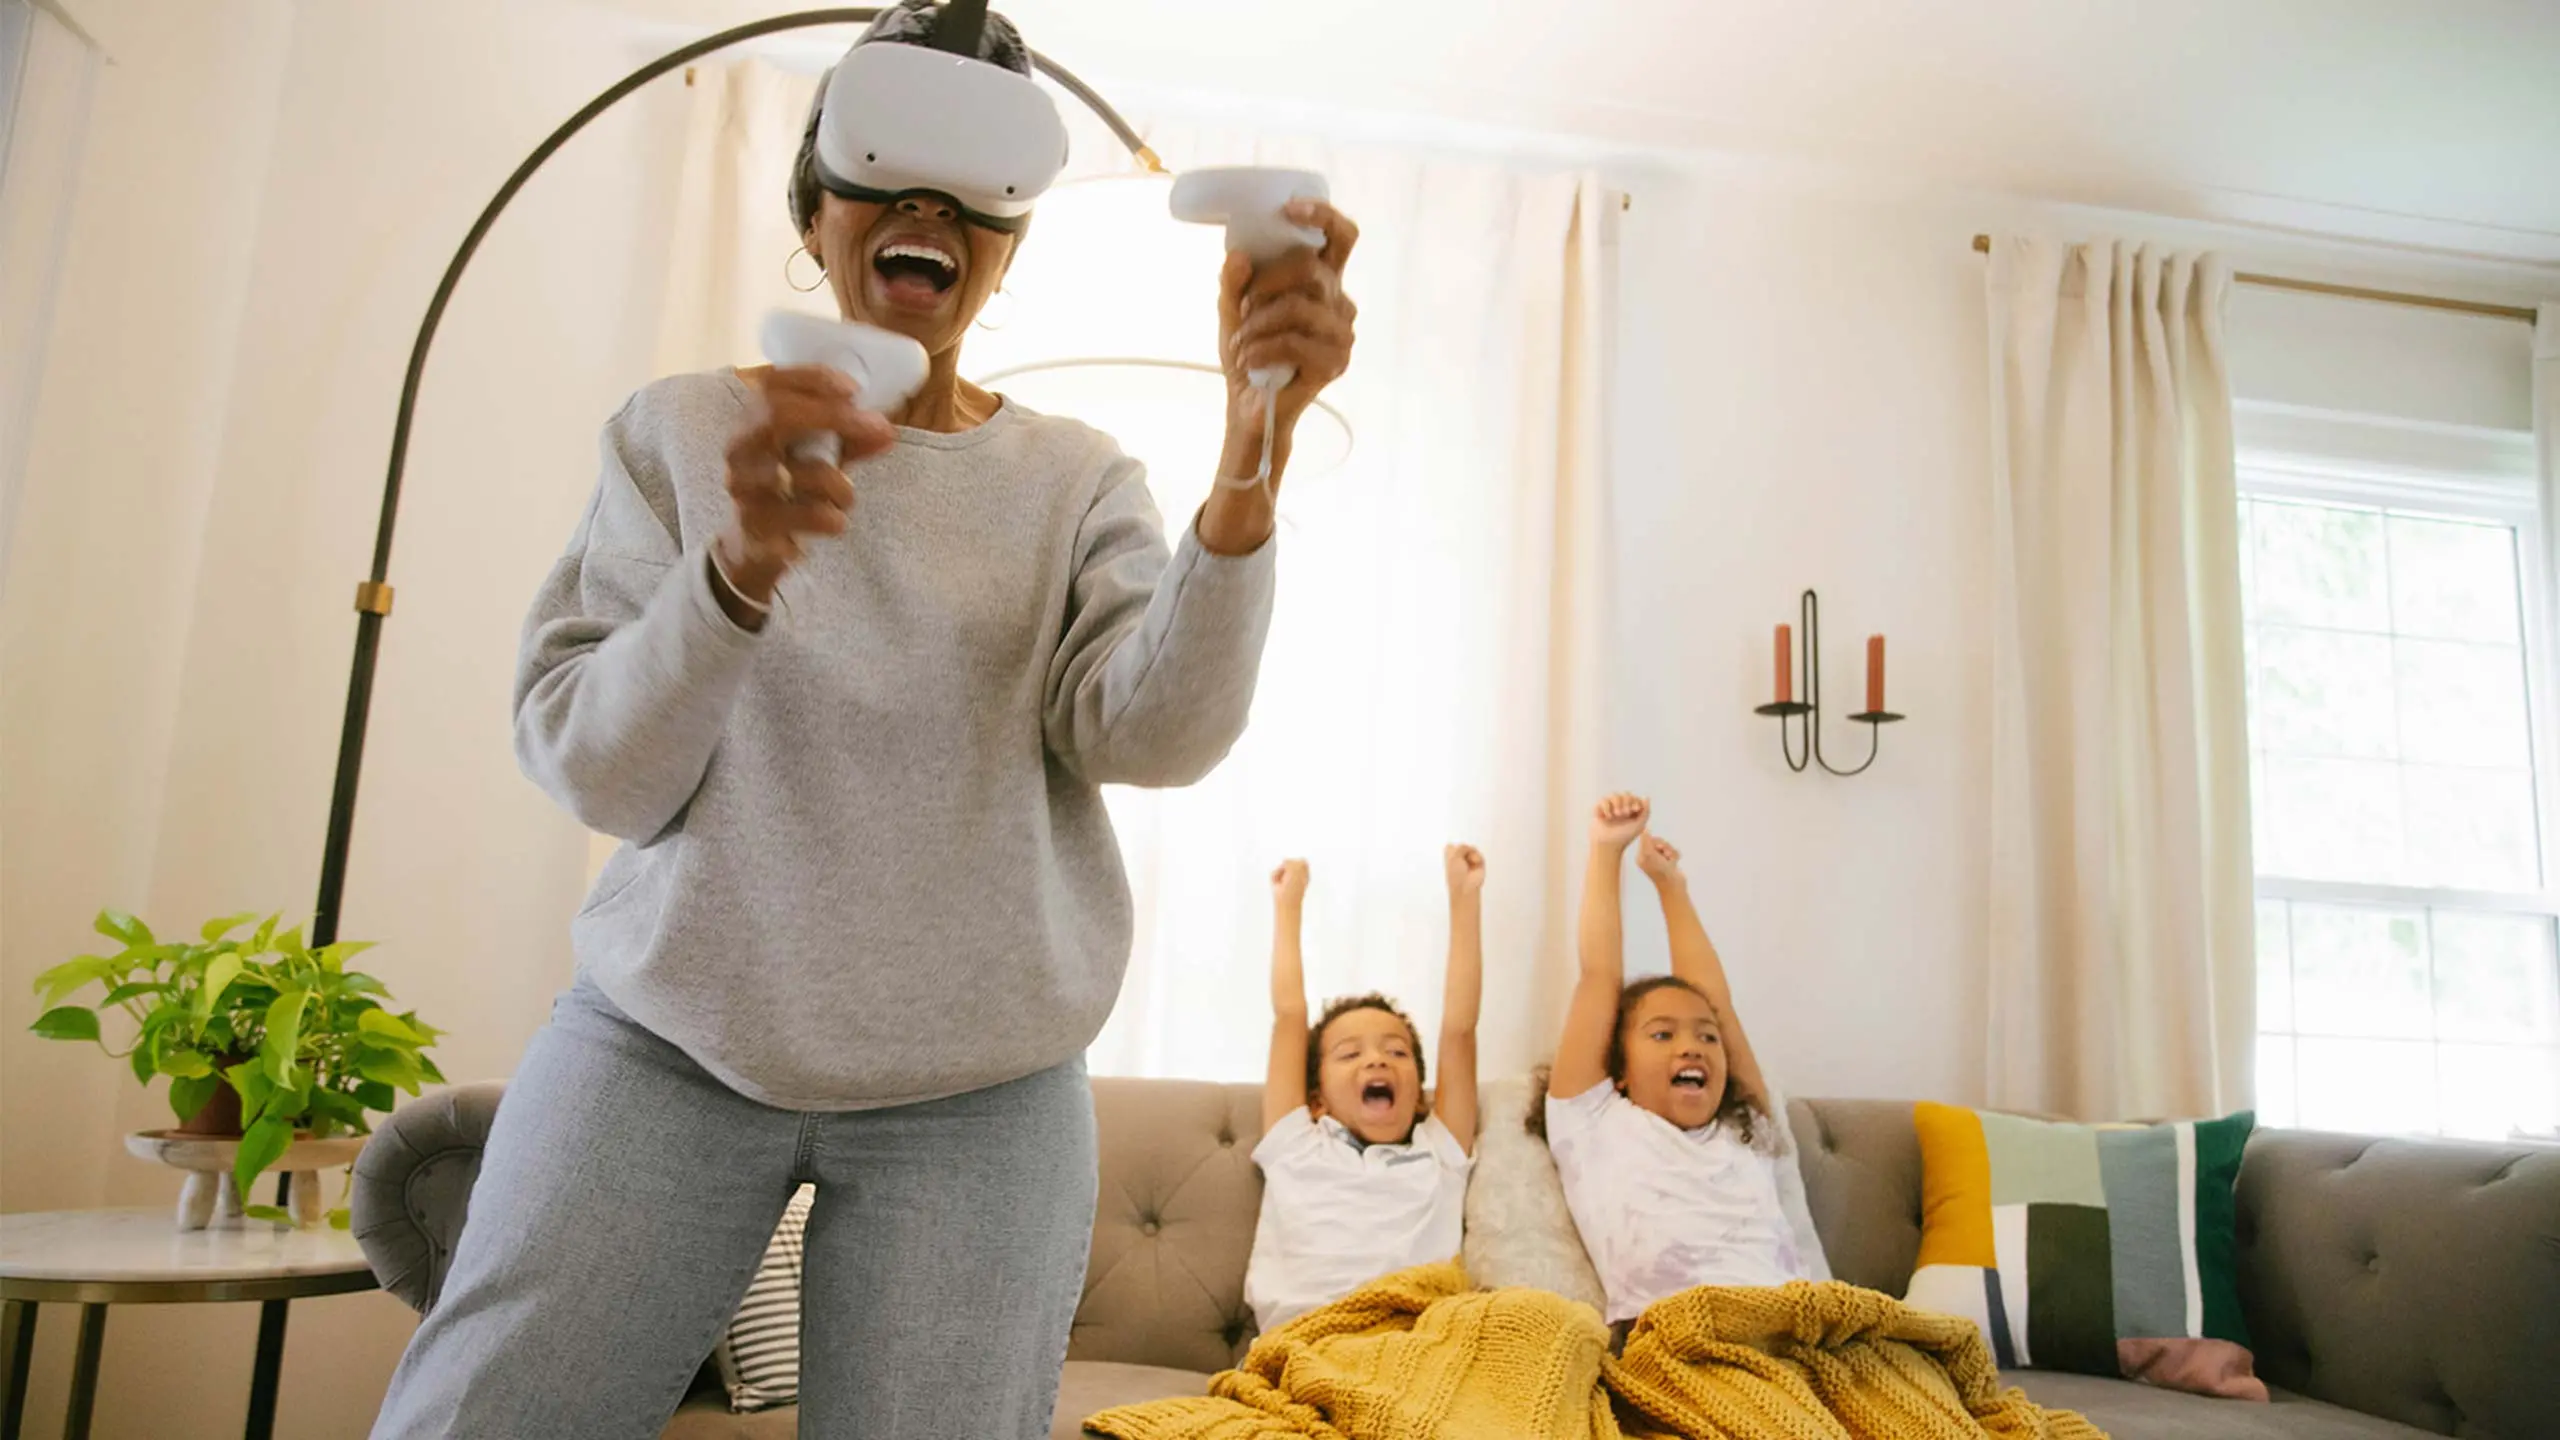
(851, 724)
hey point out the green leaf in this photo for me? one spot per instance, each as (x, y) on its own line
(117, 925)
(284, 1034)
(260, 1146)
(339, 1106)
(62, 979)
(140, 1058)
(428, 1068)
(339, 1219)
(333, 958)
(217, 978)
(67, 1022)
(389, 1067)
(185, 1065)
(134, 991)
(216, 929)
(359, 983)
(250, 1078)
(290, 942)
(189, 1096)
(381, 1026)
(374, 1095)
(267, 1212)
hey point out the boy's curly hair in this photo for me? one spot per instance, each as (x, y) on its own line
(1739, 1110)
(1340, 1006)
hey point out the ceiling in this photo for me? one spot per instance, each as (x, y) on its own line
(2435, 125)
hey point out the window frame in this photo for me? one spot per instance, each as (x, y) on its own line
(2455, 472)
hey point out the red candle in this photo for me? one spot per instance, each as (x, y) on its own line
(1875, 674)
(1786, 664)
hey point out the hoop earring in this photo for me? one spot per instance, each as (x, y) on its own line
(796, 252)
(1005, 316)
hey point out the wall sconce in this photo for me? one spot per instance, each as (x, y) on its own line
(1789, 709)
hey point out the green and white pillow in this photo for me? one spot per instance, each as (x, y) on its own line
(2104, 1249)
(759, 1359)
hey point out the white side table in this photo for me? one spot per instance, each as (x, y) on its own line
(97, 1258)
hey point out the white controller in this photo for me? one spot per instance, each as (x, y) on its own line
(886, 368)
(1248, 199)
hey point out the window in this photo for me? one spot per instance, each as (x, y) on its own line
(2408, 979)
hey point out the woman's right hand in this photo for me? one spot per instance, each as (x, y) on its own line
(781, 499)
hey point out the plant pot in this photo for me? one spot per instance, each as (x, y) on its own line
(220, 1117)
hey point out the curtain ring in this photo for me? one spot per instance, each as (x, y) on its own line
(796, 252)
(1006, 314)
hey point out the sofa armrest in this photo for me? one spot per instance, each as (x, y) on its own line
(413, 1187)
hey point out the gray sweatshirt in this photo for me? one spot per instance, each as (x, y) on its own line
(866, 857)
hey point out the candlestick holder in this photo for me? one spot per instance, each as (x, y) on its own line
(1809, 709)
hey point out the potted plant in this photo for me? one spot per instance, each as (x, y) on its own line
(261, 1036)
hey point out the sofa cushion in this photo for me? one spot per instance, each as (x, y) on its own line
(1861, 1164)
(1092, 1386)
(2130, 1411)
(2414, 1279)
(1172, 1226)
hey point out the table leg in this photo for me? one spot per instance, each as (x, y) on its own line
(18, 1340)
(84, 1372)
(270, 1368)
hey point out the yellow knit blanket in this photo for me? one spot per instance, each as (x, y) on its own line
(1419, 1356)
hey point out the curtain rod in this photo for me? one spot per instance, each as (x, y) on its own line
(2525, 313)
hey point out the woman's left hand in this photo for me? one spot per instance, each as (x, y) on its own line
(1289, 312)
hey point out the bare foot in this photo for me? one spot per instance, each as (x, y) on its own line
(1659, 859)
(1618, 820)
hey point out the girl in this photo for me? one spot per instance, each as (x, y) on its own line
(1360, 1176)
(1672, 1152)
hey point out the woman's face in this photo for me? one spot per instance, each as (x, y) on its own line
(1675, 1057)
(914, 266)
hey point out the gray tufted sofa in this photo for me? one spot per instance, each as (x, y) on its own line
(2393, 1287)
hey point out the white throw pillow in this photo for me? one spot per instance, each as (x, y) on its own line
(759, 1359)
(1518, 1230)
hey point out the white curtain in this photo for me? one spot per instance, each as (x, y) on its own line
(1431, 672)
(47, 71)
(2546, 445)
(2121, 882)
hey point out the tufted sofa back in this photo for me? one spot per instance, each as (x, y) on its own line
(2416, 1280)
(2412, 1279)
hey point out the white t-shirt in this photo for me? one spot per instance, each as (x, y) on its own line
(1661, 1208)
(1337, 1215)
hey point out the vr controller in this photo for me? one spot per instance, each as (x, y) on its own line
(886, 368)
(1248, 199)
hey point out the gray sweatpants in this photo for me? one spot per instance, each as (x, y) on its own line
(626, 1197)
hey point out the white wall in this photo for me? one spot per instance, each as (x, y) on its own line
(1801, 391)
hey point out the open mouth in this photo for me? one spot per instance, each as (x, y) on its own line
(1378, 1097)
(916, 273)
(1689, 1077)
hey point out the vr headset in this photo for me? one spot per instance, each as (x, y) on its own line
(901, 119)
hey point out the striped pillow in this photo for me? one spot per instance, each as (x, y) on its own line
(759, 1359)
(2105, 1249)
